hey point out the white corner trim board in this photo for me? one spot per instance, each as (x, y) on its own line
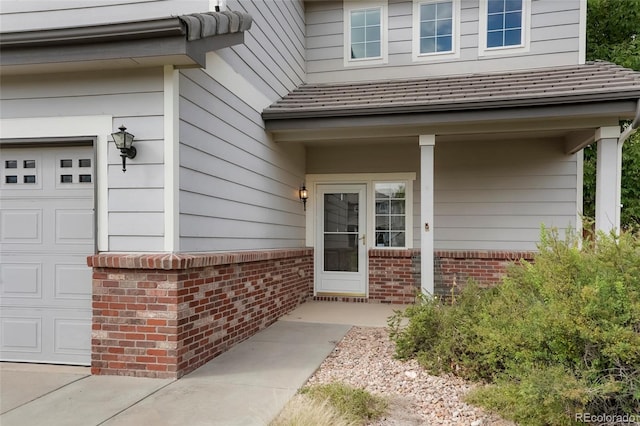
(171, 159)
(224, 74)
(98, 126)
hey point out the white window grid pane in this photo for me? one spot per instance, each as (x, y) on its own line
(358, 51)
(366, 33)
(373, 17)
(504, 23)
(69, 167)
(513, 20)
(444, 10)
(373, 49)
(23, 172)
(391, 214)
(436, 27)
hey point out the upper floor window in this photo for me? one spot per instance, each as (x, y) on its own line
(365, 33)
(504, 26)
(435, 29)
(504, 23)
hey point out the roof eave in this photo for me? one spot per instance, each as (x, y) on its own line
(136, 43)
(93, 34)
(483, 104)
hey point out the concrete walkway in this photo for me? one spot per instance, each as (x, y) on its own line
(248, 385)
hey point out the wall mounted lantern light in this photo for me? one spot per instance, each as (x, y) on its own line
(124, 142)
(304, 195)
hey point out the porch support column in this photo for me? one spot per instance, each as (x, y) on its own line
(607, 185)
(427, 148)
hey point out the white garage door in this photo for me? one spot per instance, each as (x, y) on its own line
(46, 234)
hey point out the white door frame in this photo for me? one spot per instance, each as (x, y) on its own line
(338, 283)
(368, 179)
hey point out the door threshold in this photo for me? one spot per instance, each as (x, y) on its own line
(325, 294)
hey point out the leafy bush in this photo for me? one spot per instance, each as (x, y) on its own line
(538, 396)
(560, 335)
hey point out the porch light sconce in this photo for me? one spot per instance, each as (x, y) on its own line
(304, 195)
(124, 142)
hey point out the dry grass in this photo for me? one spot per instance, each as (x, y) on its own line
(303, 410)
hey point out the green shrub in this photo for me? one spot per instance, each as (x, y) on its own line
(440, 336)
(538, 397)
(354, 404)
(560, 335)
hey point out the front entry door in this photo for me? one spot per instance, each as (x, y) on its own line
(341, 252)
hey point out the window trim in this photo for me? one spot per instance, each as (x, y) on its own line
(352, 6)
(523, 47)
(454, 53)
(408, 223)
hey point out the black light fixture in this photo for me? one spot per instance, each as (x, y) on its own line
(124, 142)
(304, 195)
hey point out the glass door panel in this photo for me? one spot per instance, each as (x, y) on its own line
(341, 232)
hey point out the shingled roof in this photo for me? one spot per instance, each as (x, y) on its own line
(593, 81)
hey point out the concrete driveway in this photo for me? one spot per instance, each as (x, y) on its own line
(248, 385)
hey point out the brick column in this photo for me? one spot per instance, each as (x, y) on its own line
(394, 276)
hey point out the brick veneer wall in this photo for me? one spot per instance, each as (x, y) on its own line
(394, 276)
(164, 315)
(453, 269)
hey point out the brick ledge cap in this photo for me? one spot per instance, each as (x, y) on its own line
(169, 261)
(486, 254)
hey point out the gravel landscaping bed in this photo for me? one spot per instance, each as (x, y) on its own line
(364, 358)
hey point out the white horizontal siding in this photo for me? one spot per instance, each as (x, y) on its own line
(131, 200)
(135, 243)
(554, 42)
(496, 195)
(272, 58)
(134, 99)
(488, 195)
(238, 189)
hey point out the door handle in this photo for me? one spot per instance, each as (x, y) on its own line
(364, 239)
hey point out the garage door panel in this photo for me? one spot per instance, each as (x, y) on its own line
(47, 335)
(42, 280)
(72, 336)
(46, 233)
(22, 170)
(72, 282)
(20, 334)
(21, 226)
(74, 226)
(21, 280)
